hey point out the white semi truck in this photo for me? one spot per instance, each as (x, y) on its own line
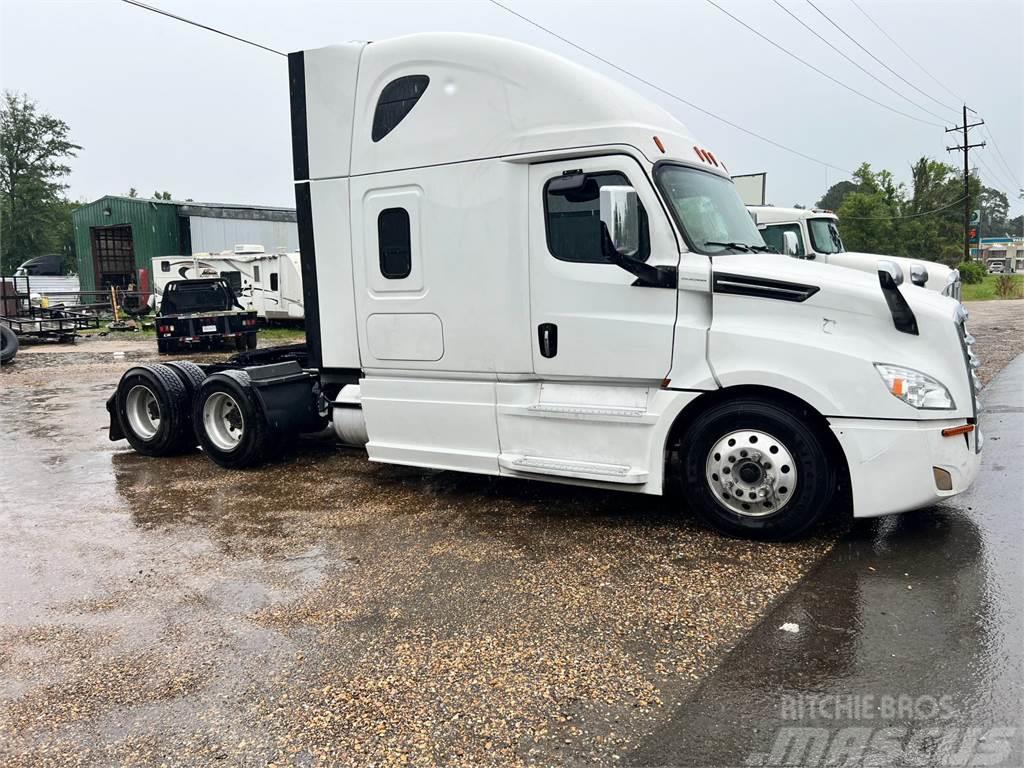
(813, 233)
(515, 266)
(268, 283)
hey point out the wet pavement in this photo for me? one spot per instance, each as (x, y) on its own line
(326, 610)
(909, 641)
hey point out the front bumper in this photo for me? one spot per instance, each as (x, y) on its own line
(892, 463)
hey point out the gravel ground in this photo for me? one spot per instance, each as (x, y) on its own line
(327, 610)
(999, 327)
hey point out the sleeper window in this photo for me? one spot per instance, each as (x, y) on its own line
(273, 281)
(394, 243)
(165, 266)
(395, 102)
(574, 222)
(255, 273)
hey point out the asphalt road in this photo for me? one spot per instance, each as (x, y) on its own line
(912, 623)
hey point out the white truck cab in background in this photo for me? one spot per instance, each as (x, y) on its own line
(515, 266)
(814, 234)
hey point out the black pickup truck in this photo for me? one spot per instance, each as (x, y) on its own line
(203, 312)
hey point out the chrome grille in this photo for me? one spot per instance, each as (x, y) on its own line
(972, 363)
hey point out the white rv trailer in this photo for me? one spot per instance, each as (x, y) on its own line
(269, 283)
(813, 233)
(518, 267)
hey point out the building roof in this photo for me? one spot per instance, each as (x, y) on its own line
(210, 210)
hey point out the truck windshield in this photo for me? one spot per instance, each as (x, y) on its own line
(825, 236)
(709, 210)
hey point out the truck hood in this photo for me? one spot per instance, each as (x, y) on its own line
(854, 290)
(821, 342)
(938, 274)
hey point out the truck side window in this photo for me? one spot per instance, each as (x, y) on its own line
(165, 266)
(573, 223)
(394, 242)
(273, 281)
(772, 235)
(234, 280)
(396, 101)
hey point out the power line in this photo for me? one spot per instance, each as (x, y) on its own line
(667, 93)
(908, 216)
(997, 179)
(869, 53)
(904, 52)
(1012, 176)
(867, 72)
(819, 71)
(201, 26)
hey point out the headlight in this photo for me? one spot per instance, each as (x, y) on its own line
(915, 388)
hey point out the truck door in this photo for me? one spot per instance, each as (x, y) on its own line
(588, 319)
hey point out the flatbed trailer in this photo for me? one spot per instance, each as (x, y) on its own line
(201, 313)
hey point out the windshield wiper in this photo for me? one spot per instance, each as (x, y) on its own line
(762, 249)
(737, 246)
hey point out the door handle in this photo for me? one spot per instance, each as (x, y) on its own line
(547, 336)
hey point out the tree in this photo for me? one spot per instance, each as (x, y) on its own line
(34, 150)
(835, 195)
(133, 192)
(994, 207)
(867, 214)
(162, 195)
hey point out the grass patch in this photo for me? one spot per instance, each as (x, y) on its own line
(988, 288)
(148, 331)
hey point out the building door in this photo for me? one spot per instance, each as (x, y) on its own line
(113, 255)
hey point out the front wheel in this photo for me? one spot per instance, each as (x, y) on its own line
(758, 470)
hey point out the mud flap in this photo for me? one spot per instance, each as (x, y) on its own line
(116, 431)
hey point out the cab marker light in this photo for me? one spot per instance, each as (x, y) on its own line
(963, 429)
(660, 146)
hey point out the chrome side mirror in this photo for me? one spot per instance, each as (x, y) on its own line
(918, 274)
(620, 213)
(790, 245)
(892, 269)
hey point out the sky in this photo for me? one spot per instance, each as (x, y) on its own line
(159, 105)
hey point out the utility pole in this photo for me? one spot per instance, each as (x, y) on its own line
(966, 148)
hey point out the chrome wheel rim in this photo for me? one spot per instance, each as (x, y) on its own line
(223, 421)
(143, 412)
(751, 473)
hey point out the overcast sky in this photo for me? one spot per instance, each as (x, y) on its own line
(159, 105)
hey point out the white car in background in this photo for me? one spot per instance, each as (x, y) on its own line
(813, 233)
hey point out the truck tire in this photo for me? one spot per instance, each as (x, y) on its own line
(251, 341)
(755, 469)
(8, 344)
(229, 420)
(152, 407)
(191, 376)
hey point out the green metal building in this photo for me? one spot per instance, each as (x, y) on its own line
(116, 237)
